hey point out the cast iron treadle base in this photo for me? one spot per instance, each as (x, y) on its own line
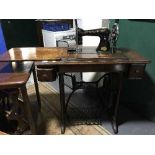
(86, 116)
(90, 113)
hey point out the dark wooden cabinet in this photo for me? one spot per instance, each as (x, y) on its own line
(20, 32)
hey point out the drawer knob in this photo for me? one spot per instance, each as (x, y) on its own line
(44, 75)
(137, 71)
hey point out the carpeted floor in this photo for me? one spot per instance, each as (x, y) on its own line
(49, 119)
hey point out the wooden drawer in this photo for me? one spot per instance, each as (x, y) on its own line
(46, 74)
(136, 71)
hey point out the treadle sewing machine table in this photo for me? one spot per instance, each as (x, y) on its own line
(51, 61)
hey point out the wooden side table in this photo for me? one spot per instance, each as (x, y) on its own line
(13, 81)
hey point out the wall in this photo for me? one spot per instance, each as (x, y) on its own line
(140, 36)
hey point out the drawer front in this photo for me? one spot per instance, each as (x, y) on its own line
(136, 71)
(46, 74)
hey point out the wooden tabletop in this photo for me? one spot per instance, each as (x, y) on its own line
(16, 67)
(34, 54)
(61, 56)
(13, 80)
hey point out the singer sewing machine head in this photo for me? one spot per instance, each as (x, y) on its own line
(108, 38)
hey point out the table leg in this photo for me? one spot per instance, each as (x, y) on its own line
(116, 84)
(28, 109)
(62, 101)
(36, 89)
